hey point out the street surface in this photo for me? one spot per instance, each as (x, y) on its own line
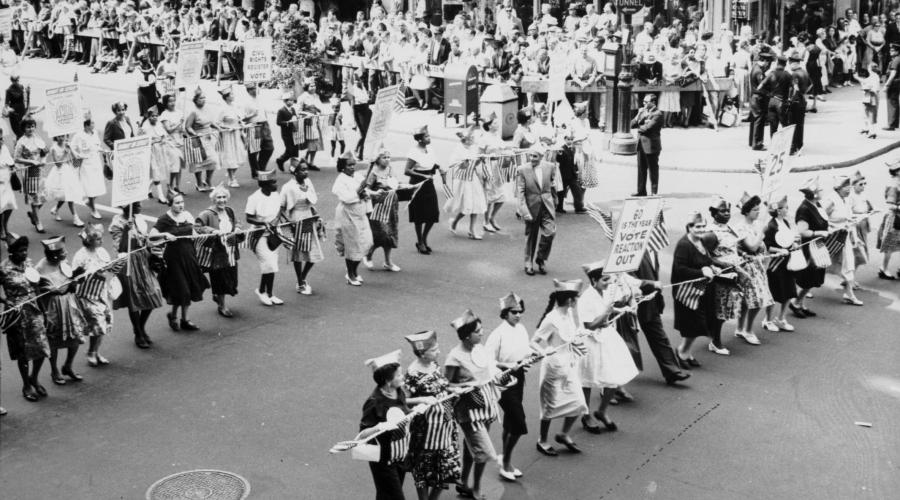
(266, 394)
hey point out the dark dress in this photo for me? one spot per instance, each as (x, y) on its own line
(388, 472)
(385, 213)
(781, 281)
(222, 259)
(147, 96)
(423, 207)
(140, 288)
(15, 101)
(686, 265)
(182, 282)
(812, 276)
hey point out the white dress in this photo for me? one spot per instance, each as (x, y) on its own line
(7, 195)
(608, 362)
(467, 179)
(266, 209)
(159, 167)
(560, 393)
(234, 153)
(62, 181)
(87, 147)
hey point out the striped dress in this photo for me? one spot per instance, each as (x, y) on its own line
(433, 449)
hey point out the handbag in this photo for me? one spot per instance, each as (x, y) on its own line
(14, 182)
(818, 254)
(796, 261)
(272, 240)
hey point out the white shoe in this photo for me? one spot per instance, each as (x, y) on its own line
(266, 301)
(393, 268)
(509, 476)
(368, 263)
(234, 184)
(55, 213)
(96, 215)
(723, 351)
(77, 221)
(307, 290)
(782, 324)
(276, 301)
(771, 326)
(749, 337)
(352, 282)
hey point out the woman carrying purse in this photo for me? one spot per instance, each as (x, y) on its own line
(780, 238)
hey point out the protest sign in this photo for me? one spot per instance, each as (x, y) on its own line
(64, 113)
(190, 63)
(257, 60)
(779, 162)
(131, 170)
(632, 233)
(382, 110)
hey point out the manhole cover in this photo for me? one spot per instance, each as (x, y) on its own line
(200, 485)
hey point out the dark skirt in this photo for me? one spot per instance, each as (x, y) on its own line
(811, 277)
(699, 323)
(140, 290)
(423, 208)
(182, 282)
(224, 281)
(782, 284)
(511, 403)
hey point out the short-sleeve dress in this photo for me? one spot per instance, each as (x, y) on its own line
(208, 139)
(385, 214)
(26, 336)
(234, 153)
(423, 207)
(93, 292)
(183, 281)
(811, 213)
(300, 206)
(221, 250)
(433, 447)
(782, 285)
(889, 232)
(32, 148)
(727, 295)
(755, 292)
(560, 392)
(608, 362)
(62, 312)
(687, 264)
(467, 180)
(140, 288)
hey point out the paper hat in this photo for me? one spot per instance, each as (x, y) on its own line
(420, 130)
(198, 92)
(467, 318)
(250, 85)
(811, 185)
(536, 148)
(224, 90)
(511, 301)
(719, 203)
(54, 244)
(893, 168)
(265, 176)
(15, 242)
(422, 341)
(383, 360)
(858, 177)
(778, 203)
(694, 217)
(287, 95)
(841, 181)
(593, 267)
(744, 198)
(568, 286)
(91, 230)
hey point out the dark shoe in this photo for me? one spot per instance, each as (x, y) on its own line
(609, 424)
(759, 147)
(40, 390)
(682, 363)
(72, 375)
(57, 379)
(889, 128)
(188, 326)
(549, 451)
(593, 429)
(885, 276)
(808, 312)
(421, 248)
(692, 361)
(798, 312)
(173, 323)
(464, 491)
(140, 342)
(638, 195)
(568, 443)
(540, 268)
(146, 337)
(280, 164)
(814, 110)
(428, 249)
(624, 396)
(678, 377)
(580, 211)
(224, 311)
(560, 210)
(30, 394)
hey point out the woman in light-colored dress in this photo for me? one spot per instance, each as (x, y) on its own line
(560, 393)
(723, 249)
(496, 183)
(353, 236)
(861, 208)
(151, 126)
(468, 175)
(234, 152)
(7, 195)
(62, 183)
(298, 202)
(382, 187)
(94, 292)
(755, 292)
(200, 125)
(173, 121)
(669, 100)
(309, 104)
(86, 148)
(31, 153)
(840, 216)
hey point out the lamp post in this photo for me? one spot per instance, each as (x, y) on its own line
(622, 141)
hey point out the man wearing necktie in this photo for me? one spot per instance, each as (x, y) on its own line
(438, 53)
(536, 198)
(648, 124)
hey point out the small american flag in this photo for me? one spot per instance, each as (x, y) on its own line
(602, 217)
(776, 261)
(448, 192)
(399, 103)
(834, 242)
(659, 236)
(254, 138)
(688, 294)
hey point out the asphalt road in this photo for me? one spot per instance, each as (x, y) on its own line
(266, 394)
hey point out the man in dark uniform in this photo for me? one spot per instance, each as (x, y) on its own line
(777, 86)
(286, 120)
(759, 101)
(568, 173)
(892, 88)
(801, 84)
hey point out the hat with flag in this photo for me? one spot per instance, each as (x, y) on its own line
(422, 341)
(265, 176)
(858, 177)
(841, 181)
(383, 360)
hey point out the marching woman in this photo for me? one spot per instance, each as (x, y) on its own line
(141, 294)
(840, 216)
(182, 282)
(62, 313)
(262, 210)
(353, 236)
(470, 364)
(755, 294)
(94, 293)
(309, 105)
(812, 223)
(780, 238)
(695, 304)
(421, 169)
(722, 242)
(861, 208)
(433, 448)
(560, 393)
(496, 182)
(234, 152)
(173, 122)
(889, 233)
(62, 183)
(384, 219)
(26, 337)
(159, 160)
(469, 176)
(298, 201)
(31, 153)
(86, 149)
(219, 254)
(524, 137)
(202, 130)
(510, 345)
(608, 364)
(7, 194)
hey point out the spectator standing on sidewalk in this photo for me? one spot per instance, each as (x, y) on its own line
(648, 124)
(892, 88)
(802, 84)
(777, 86)
(759, 101)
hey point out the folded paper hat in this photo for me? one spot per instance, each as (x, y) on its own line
(719, 203)
(841, 181)
(745, 198)
(573, 286)
(779, 202)
(224, 90)
(420, 130)
(811, 184)
(422, 341)
(91, 230)
(858, 177)
(593, 267)
(383, 360)
(468, 317)
(893, 168)
(511, 301)
(265, 176)
(694, 217)
(15, 241)
(287, 95)
(54, 244)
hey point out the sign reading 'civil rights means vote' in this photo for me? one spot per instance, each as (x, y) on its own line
(257, 60)
(131, 169)
(64, 115)
(632, 233)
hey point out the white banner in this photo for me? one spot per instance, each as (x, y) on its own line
(257, 60)
(6, 22)
(382, 111)
(131, 170)
(778, 164)
(190, 63)
(632, 233)
(64, 113)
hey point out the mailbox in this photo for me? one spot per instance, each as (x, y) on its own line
(460, 90)
(501, 100)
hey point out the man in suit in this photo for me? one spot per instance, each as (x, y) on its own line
(536, 198)
(759, 101)
(648, 124)
(649, 315)
(438, 53)
(286, 121)
(892, 88)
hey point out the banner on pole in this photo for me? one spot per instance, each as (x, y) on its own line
(382, 111)
(6, 22)
(257, 60)
(634, 229)
(64, 115)
(779, 162)
(190, 63)
(131, 170)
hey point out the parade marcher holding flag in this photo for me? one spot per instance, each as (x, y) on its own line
(353, 235)
(96, 291)
(889, 232)
(812, 223)
(262, 210)
(779, 237)
(421, 168)
(468, 176)
(840, 216)
(384, 219)
(298, 201)
(218, 253)
(755, 294)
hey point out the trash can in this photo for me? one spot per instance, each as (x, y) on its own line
(460, 90)
(501, 100)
